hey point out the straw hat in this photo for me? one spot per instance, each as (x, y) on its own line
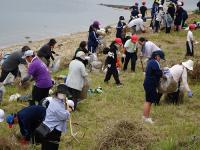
(188, 64)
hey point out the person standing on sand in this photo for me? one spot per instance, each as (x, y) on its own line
(10, 65)
(46, 52)
(111, 61)
(40, 73)
(151, 83)
(190, 40)
(93, 37)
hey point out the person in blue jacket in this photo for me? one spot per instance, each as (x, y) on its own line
(29, 118)
(151, 82)
(120, 26)
(93, 38)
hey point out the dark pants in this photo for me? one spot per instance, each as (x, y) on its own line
(5, 73)
(168, 29)
(92, 49)
(112, 71)
(51, 142)
(38, 94)
(157, 26)
(133, 57)
(190, 51)
(75, 95)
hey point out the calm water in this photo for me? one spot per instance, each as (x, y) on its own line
(40, 19)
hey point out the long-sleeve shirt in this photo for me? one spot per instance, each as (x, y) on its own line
(77, 74)
(139, 23)
(40, 73)
(153, 74)
(56, 115)
(93, 39)
(148, 48)
(180, 72)
(13, 60)
(30, 118)
(119, 29)
(46, 52)
(130, 46)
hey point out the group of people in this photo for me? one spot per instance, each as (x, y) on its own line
(44, 119)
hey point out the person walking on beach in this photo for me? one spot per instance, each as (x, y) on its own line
(93, 38)
(151, 82)
(46, 52)
(190, 40)
(120, 27)
(39, 72)
(111, 61)
(143, 11)
(131, 52)
(10, 65)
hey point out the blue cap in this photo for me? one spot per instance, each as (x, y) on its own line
(10, 120)
(158, 52)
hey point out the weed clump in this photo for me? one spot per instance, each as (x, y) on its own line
(195, 74)
(125, 135)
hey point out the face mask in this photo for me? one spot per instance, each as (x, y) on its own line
(61, 96)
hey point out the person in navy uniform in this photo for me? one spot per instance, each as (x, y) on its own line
(151, 82)
(120, 26)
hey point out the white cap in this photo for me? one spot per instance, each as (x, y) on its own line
(188, 64)
(70, 103)
(2, 114)
(28, 53)
(161, 6)
(179, 3)
(81, 55)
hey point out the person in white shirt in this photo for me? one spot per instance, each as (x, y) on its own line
(137, 25)
(174, 76)
(131, 52)
(189, 42)
(148, 47)
(76, 76)
(57, 113)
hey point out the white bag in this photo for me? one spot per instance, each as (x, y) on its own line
(23, 71)
(56, 65)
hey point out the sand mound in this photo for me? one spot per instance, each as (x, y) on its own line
(124, 135)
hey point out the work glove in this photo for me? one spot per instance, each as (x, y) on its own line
(189, 93)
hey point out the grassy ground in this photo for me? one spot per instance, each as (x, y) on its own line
(177, 127)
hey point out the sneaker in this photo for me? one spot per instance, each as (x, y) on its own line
(147, 120)
(119, 84)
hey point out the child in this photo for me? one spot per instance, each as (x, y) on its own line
(120, 26)
(189, 42)
(143, 11)
(111, 61)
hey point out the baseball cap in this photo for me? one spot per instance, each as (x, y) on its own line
(10, 120)
(28, 53)
(62, 88)
(158, 52)
(118, 41)
(134, 38)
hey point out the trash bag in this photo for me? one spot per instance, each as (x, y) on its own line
(56, 64)
(84, 91)
(96, 64)
(23, 71)
(9, 79)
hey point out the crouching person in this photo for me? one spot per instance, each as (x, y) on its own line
(54, 123)
(29, 118)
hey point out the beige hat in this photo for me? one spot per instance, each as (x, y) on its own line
(188, 64)
(80, 54)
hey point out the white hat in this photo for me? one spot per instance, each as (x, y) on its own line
(2, 114)
(161, 6)
(70, 103)
(188, 64)
(28, 53)
(179, 3)
(81, 55)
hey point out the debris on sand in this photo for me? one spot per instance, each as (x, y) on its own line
(125, 135)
